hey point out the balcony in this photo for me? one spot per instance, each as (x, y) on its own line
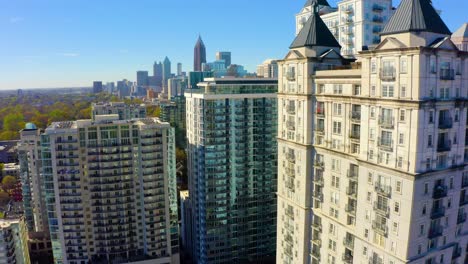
(447, 74)
(348, 31)
(318, 180)
(290, 172)
(463, 199)
(291, 125)
(377, 8)
(376, 30)
(380, 228)
(377, 19)
(439, 192)
(355, 134)
(387, 122)
(347, 258)
(291, 110)
(291, 75)
(382, 189)
(317, 225)
(388, 74)
(318, 195)
(351, 191)
(291, 157)
(444, 146)
(319, 164)
(435, 231)
(385, 144)
(353, 173)
(348, 10)
(355, 116)
(465, 182)
(382, 209)
(319, 129)
(347, 20)
(457, 252)
(445, 123)
(320, 112)
(437, 212)
(351, 209)
(461, 218)
(348, 242)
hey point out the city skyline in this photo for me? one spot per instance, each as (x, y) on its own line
(77, 51)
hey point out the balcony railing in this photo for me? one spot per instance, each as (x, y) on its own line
(353, 173)
(355, 134)
(388, 74)
(351, 191)
(387, 122)
(382, 209)
(355, 116)
(320, 112)
(291, 125)
(291, 157)
(435, 231)
(347, 258)
(377, 8)
(463, 199)
(351, 209)
(319, 129)
(317, 225)
(447, 74)
(461, 218)
(444, 146)
(291, 75)
(383, 189)
(446, 123)
(349, 243)
(348, 10)
(380, 228)
(377, 19)
(385, 144)
(440, 191)
(291, 110)
(437, 212)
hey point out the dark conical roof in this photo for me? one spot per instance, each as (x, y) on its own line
(319, 2)
(416, 16)
(315, 33)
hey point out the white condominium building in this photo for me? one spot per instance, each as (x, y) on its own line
(381, 176)
(122, 109)
(14, 241)
(354, 23)
(111, 190)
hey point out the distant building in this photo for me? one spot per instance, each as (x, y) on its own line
(231, 132)
(199, 55)
(150, 94)
(110, 87)
(187, 221)
(166, 73)
(124, 111)
(142, 78)
(235, 70)
(97, 87)
(176, 86)
(14, 241)
(8, 153)
(174, 112)
(124, 88)
(11, 169)
(460, 37)
(217, 67)
(269, 69)
(158, 74)
(225, 56)
(197, 77)
(179, 69)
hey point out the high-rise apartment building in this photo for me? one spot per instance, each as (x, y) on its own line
(111, 190)
(142, 78)
(97, 87)
(14, 241)
(176, 86)
(179, 69)
(158, 73)
(356, 24)
(460, 37)
(382, 168)
(231, 132)
(269, 69)
(199, 55)
(225, 56)
(123, 110)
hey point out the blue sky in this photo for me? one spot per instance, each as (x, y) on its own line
(57, 43)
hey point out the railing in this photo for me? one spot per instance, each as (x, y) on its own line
(291, 157)
(440, 191)
(382, 209)
(461, 218)
(383, 189)
(353, 173)
(445, 123)
(386, 144)
(291, 109)
(388, 75)
(320, 112)
(444, 146)
(387, 122)
(377, 19)
(348, 10)
(437, 212)
(319, 163)
(380, 228)
(349, 243)
(291, 75)
(463, 199)
(435, 231)
(355, 134)
(377, 8)
(355, 116)
(351, 209)
(347, 258)
(320, 129)
(447, 74)
(351, 191)
(317, 225)
(291, 125)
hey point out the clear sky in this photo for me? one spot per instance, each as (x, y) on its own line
(61, 43)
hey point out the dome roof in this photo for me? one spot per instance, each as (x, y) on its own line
(30, 126)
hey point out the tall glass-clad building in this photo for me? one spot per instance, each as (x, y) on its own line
(231, 132)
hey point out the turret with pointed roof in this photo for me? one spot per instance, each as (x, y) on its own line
(460, 37)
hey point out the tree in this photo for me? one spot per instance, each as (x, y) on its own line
(8, 183)
(13, 122)
(4, 197)
(1, 168)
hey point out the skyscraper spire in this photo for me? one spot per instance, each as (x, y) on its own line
(199, 55)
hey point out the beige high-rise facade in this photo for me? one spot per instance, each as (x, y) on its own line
(378, 174)
(14, 241)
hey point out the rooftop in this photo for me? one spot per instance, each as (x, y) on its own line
(462, 32)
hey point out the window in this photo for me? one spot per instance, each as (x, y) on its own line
(332, 229)
(335, 181)
(401, 139)
(402, 115)
(331, 259)
(426, 188)
(424, 210)
(387, 91)
(396, 207)
(372, 112)
(431, 117)
(400, 162)
(336, 127)
(451, 183)
(321, 89)
(370, 178)
(373, 66)
(398, 187)
(335, 198)
(336, 144)
(372, 91)
(371, 154)
(403, 65)
(366, 233)
(421, 230)
(457, 115)
(333, 212)
(419, 249)
(356, 89)
(403, 91)
(364, 251)
(372, 133)
(337, 109)
(336, 165)
(369, 197)
(429, 141)
(386, 139)
(337, 89)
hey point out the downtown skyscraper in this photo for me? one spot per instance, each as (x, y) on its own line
(372, 161)
(231, 132)
(199, 55)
